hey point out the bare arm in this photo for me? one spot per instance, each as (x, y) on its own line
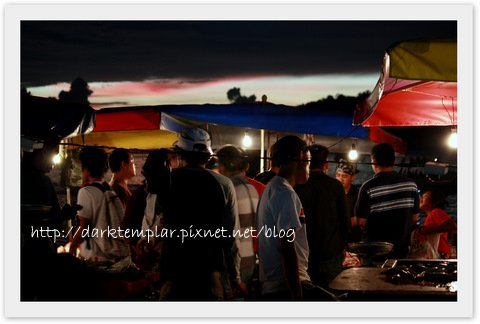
(414, 218)
(77, 237)
(361, 222)
(448, 226)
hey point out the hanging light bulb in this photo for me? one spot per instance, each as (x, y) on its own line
(247, 140)
(353, 153)
(57, 159)
(452, 139)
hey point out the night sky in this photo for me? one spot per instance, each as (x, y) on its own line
(53, 52)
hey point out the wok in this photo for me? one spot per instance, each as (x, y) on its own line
(370, 249)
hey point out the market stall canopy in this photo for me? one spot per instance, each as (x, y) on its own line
(272, 117)
(150, 127)
(49, 118)
(417, 87)
(128, 128)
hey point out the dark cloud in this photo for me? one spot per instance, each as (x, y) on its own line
(60, 51)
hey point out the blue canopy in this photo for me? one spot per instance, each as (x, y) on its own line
(268, 116)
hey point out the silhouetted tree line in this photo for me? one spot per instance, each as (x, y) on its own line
(339, 103)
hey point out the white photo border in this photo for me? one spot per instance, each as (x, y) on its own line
(15, 13)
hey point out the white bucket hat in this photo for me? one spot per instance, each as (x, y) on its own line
(194, 140)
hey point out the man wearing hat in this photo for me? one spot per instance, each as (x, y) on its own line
(345, 173)
(194, 267)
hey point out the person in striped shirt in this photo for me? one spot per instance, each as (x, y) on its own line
(232, 163)
(388, 204)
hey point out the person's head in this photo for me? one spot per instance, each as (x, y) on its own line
(432, 199)
(383, 156)
(194, 146)
(41, 159)
(274, 165)
(319, 157)
(121, 163)
(94, 163)
(292, 155)
(231, 160)
(345, 173)
(173, 159)
(156, 170)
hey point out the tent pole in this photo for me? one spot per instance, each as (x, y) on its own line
(262, 150)
(68, 185)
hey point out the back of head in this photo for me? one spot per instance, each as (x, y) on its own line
(94, 159)
(274, 163)
(194, 145)
(156, 170)
(319, 156)
(287, 149)
(116, 158)
(383, 155)
(232, 158)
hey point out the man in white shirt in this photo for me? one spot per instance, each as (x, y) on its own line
(283, 248)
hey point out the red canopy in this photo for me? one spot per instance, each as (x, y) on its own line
(418, 96)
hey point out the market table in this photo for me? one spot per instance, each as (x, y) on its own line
(370, 284)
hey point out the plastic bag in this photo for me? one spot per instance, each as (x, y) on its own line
(423, 246)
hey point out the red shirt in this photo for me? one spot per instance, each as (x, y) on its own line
(436, 218)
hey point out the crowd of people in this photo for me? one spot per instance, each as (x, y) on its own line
(188, 189)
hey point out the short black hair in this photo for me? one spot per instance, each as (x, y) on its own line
(287, 149)
(232, 158)
(94, 159)
(319, 156)
(156, 171)
(273, 162)
(383, 154)
(437, 198)
(116, 158)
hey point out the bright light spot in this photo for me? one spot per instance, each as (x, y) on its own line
(57, 159)
(247, 140)
(452, 140)
(353, 154)
(435, 160)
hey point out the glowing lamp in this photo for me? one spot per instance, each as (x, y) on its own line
(57, 159)
(247, 140)
(452, 139)
(353, 153)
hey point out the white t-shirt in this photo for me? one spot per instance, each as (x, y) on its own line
(280, 210)
(98, 245)
(151, 220)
